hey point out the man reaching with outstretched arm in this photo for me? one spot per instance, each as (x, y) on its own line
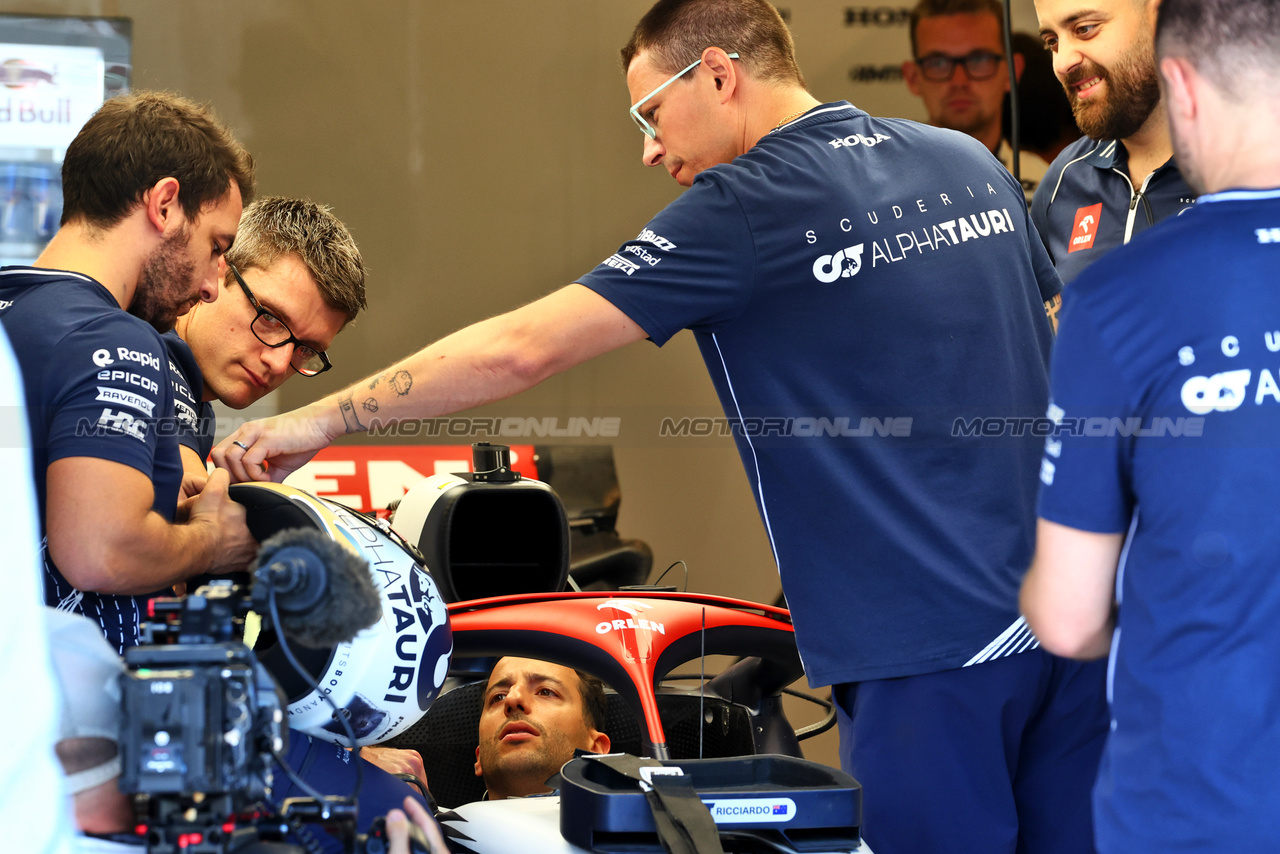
(792, 297)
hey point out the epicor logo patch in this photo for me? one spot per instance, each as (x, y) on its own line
(130, 378)
(1085, 228)
(844, 264)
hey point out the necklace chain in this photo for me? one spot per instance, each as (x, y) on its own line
(791, 118)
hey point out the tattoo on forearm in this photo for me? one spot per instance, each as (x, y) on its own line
(349, 418)
(374, 382)
(402, 382)
(1051, 308)
(370, 404)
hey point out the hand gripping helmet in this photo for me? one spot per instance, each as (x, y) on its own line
(387, 676)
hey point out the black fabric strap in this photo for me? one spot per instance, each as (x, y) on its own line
(683, 821)
(684, 824)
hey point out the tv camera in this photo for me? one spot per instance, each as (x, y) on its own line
(203, 721)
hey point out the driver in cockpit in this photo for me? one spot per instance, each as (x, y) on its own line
(534, 715)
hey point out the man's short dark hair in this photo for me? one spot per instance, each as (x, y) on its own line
(134, 141)
(594, 705)
(676, 32)
(938, 8)
(1228, 41)
(275, 226)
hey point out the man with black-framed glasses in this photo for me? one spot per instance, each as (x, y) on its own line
(958, 70)
(294, 279)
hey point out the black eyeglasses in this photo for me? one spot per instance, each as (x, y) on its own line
(979, 65)
(274, 332)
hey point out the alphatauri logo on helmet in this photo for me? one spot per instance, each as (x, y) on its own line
(634, 621)
(844, 264)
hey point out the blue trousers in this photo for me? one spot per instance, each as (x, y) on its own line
(998, 757)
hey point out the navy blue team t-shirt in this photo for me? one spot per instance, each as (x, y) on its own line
(1166, 398)
(194, 419)
(1086, 204)
(865, 292)
(97, 385)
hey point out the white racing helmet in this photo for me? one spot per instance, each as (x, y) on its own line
(388, 675)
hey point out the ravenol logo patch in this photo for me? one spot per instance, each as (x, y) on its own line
(1085, 228)
(127, 398)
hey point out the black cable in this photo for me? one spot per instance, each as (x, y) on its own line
(308, 678)
(294, 823)
(805, 732)
(673, 566)
(821, 726)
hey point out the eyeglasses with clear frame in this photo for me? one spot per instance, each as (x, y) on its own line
(979, 65)
(274, 332)
(646, 128)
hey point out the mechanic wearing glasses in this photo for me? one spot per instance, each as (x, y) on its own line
(292, 281)
(959, 72)
(294, 278)
(866, 292)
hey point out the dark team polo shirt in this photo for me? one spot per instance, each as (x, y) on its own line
(1086, 205)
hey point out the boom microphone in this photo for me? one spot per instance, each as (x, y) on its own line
(324, 591)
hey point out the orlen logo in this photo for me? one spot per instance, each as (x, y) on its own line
(1221, 392)
(634, 621)
(1085, 228)
(846, 263)
(858, 139)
